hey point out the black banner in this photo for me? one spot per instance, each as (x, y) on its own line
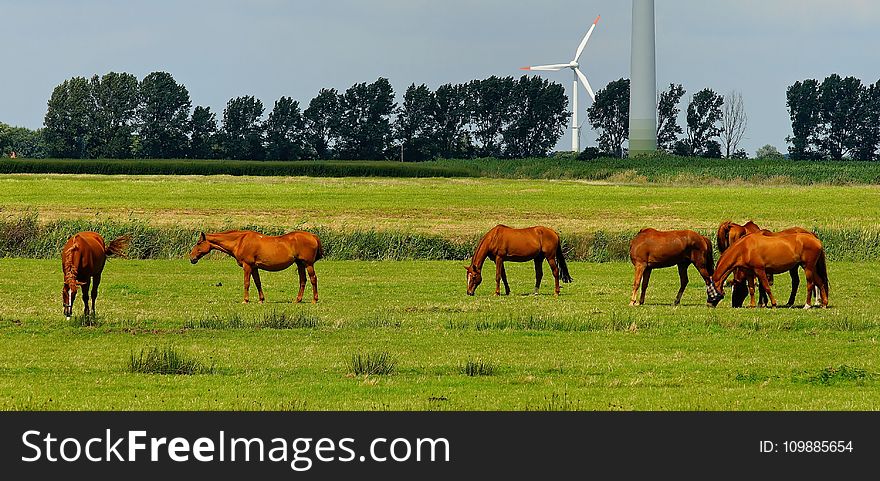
(433, 445)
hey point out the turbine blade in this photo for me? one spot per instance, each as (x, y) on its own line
(586, 83)
(549, 68)
(583, 44)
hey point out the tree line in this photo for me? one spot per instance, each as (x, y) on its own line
(715, 124)
(117, 116)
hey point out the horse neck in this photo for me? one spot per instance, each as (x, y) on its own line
(726, 265)
(225, 242)
(482, 252)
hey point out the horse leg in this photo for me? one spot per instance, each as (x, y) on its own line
(795, 283)
(314, 278)
(504, 280)
(640, 269)
(645, 278)
(683, 276)
(247, 282)
(301, 269)
(555, 270)
(762, 276)
(97, 281)
(499, 267)
(256, 274)
(539, 273)
(751, 283)
(85, 296)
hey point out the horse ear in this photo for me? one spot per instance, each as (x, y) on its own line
(202, 237)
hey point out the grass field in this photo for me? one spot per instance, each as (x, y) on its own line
(411, 319)
(586, 349)
(454, 208)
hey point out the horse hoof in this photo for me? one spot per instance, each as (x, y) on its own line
(807, 306)
(68, 318)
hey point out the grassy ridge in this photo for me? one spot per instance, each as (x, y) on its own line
(26, 237)
(654, 169)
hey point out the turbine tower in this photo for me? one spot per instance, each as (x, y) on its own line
(643, 80)
(573, 65)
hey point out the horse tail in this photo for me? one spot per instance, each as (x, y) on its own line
(563, 267)
(118, 247)
(822, 269)
(319, 251)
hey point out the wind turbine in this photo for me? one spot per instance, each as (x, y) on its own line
(573, 65)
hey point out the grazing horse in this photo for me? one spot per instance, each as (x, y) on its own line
(254, 251)
(82, 262)
(502, 243)
(773, 254)
(728, 234)
(653, 249)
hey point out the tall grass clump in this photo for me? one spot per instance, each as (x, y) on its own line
(478, 367)
(165, 360)
(378, 363)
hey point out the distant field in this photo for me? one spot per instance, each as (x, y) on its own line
(585, 350)
(657, 169)
(453, 208)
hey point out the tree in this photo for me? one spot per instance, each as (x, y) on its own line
(703, 114)
(416, 124)
(840, 114)
(322, 119)
(365, 127)
(26, 143)
(668, 129)
(868, 130)
(116, 100)
(203, 128)
(609, 114)
(285, 131)
(489, 103)
(452, 118)
(69, 122)
(163, 117)
(241, 136)
(540, 119)
(768, 152)
(734, 122)
(802, 100)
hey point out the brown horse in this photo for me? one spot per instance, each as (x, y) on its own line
(728, 234)
(763, 254)
(653, 249)
(82, 262)
(502, 243)
(254, 251)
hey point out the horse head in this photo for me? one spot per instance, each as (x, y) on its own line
(68, 294)
(201, 248)
(474, 278)
(714, 293)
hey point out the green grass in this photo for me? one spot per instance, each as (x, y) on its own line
(653, 169)
(586, 349)
(456, 209)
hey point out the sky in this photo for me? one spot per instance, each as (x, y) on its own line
(222, 49)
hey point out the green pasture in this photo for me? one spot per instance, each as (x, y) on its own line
(452, 208)
(586, 349)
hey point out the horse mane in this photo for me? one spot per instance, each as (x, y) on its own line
(67, 262)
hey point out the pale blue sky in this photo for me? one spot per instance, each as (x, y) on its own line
(269, 48)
